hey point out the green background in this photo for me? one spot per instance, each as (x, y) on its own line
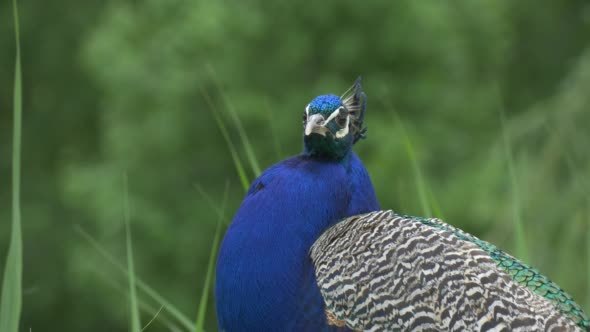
(121, 87)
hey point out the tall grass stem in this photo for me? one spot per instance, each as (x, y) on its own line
(521, 247)
(11, 297)
(200, 322)
(149, 291)
(230, 145)
(237, 123)
(419, 178)
(133, 307)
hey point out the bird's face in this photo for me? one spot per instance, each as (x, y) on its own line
(333, 124)
(326, 115)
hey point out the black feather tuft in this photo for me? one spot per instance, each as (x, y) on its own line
(355, 101)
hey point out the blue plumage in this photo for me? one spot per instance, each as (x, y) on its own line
(265, 277)
(325, 104)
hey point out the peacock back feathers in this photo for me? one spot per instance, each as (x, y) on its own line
(523, 274)
(382, 271)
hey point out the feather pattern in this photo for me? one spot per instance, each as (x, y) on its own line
(382, 271)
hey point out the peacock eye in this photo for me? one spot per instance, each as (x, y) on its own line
(304, 117)
(341, 117)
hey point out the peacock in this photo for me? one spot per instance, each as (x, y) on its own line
(310, 249)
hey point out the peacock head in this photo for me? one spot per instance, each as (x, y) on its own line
(333, 124)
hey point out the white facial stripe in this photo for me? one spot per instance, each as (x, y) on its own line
(315, 125)
(344, 131)
(333, 115)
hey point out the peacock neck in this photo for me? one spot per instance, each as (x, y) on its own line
(342, 158)
(326, 148)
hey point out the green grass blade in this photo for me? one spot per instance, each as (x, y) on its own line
(133, 308)
(588, 258)
(230, 145)
(209, 200)
(144, 306)
(435, 205)
(150, 292)
(153, 319)
(244, 137)
(420, 184)
(238, 123)
(200, 322)
(521, 247)
(273, 130)
(11, 300)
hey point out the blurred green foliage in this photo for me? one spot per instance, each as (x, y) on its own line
(115, 87)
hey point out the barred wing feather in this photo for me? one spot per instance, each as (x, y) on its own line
(386, 272)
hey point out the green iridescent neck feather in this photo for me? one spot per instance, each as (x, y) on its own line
(323, 147)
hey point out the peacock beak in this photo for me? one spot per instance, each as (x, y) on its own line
(315, 124)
